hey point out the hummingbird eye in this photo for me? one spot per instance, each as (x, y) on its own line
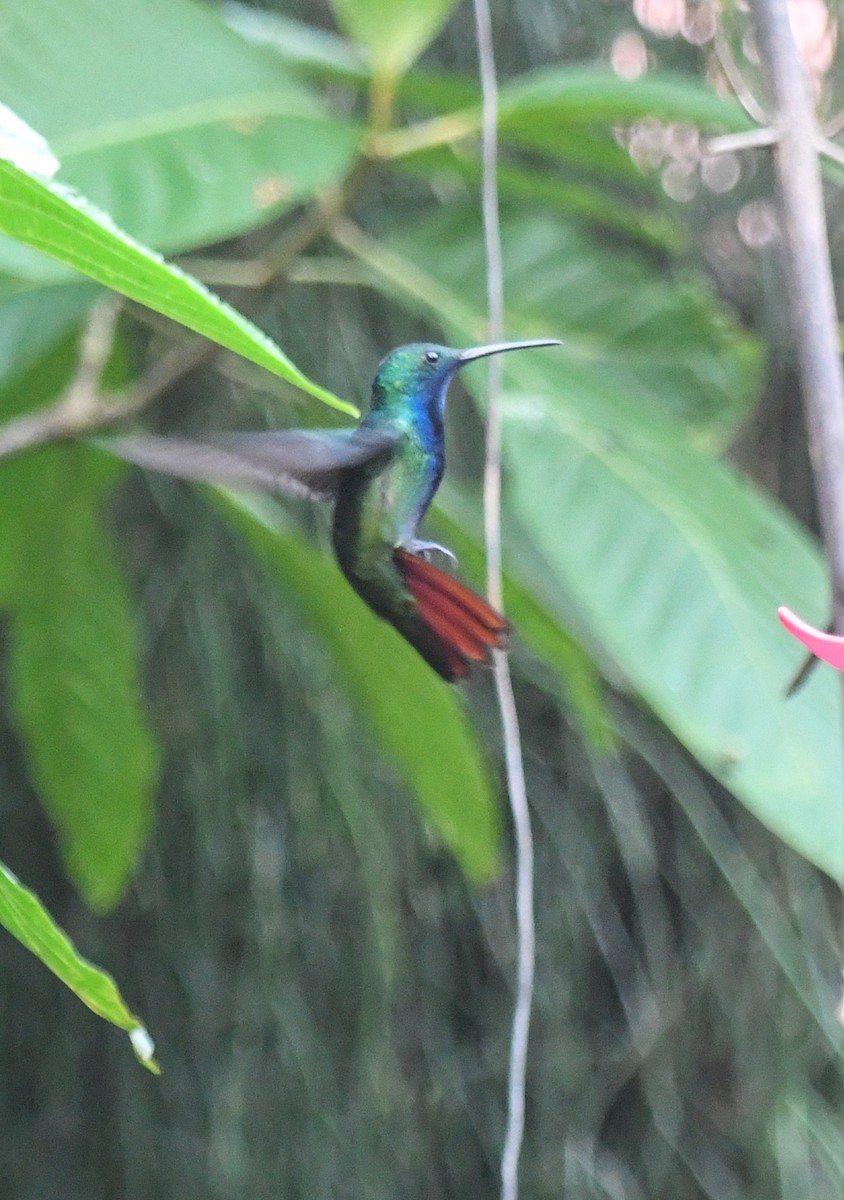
(431, 356)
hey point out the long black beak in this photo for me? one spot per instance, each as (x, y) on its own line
(499, 348)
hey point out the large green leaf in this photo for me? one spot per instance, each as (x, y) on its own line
(418, 720)
(678, 566)
(158, 113)
(675, 564)
(61, 223)
(73, 675)
(23, 914)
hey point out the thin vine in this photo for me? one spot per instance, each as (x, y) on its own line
(516, 789)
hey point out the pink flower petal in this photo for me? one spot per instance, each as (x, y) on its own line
(825, 645)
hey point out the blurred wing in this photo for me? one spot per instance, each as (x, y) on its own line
(295, 462)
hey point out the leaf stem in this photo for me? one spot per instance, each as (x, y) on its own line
(426, 135)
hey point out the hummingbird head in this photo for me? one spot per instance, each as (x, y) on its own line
(418, 375)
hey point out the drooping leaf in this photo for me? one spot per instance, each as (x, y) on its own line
(417, 719)
(168, 120)
(73, 673)
(23, 914)
(61, 223)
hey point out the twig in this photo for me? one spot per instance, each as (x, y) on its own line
(438, 131)
(525, 922)
(80, 406)
(834, 125)
(277, 260)
(830, 150)
(753, 139)
(83, 409)
(734, 77)
(749, 139)
(82, 397)
(810, 278)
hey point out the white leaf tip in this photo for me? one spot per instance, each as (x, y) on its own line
(142, 1043)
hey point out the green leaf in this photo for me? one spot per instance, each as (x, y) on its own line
(392, 32)
(567, 113)
(23, 914)
(73, 672)
(597, 95)
(25, 477)
(168, 120)
(418, 720)
(678, 567)
(562, 111)
(59, 222)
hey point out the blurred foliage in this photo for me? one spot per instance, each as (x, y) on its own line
(329, 993)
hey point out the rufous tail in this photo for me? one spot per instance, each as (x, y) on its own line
(459, 626)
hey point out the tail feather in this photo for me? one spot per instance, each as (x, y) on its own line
(459, 626)
(419, 569)
(465, 630)
(440, 619)
(439, 648)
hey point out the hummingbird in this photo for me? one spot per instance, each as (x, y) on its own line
(382, 474)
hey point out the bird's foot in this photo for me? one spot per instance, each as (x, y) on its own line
(426, 549)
